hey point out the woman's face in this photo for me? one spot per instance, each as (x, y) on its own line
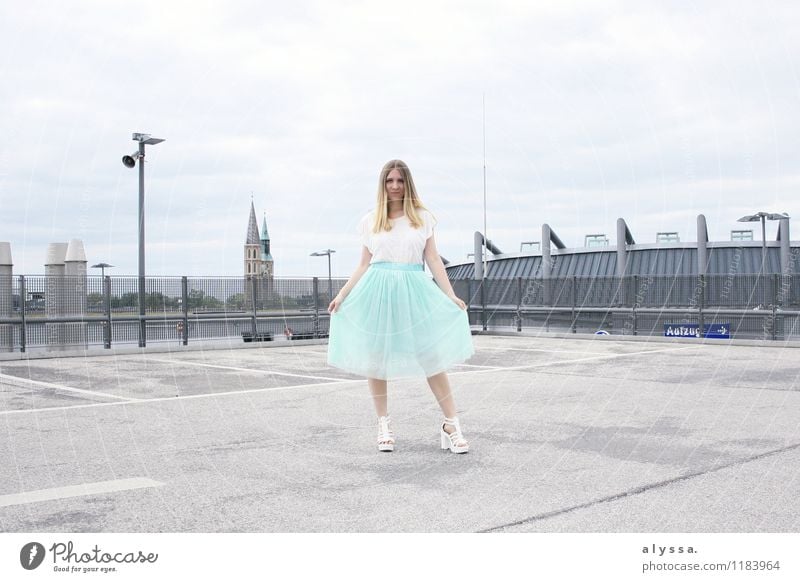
(395, 187)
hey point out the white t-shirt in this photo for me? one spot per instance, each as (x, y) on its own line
(402, 244)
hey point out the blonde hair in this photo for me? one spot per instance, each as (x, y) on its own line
(411, 201)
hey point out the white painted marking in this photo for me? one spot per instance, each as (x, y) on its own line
(477, 366)
(97, 488)
(603, 357)
(188, 397)
(52, 386)
(540, 350)
(251, 370)
(324, 384)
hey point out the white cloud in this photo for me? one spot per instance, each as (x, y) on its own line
(639, 109)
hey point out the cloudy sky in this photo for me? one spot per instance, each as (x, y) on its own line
(651, 111)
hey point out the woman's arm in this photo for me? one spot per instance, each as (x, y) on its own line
(436, 266)
(363, 265)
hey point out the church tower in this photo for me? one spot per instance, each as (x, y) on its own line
(258, 266)
(257, 256)
(266, 257)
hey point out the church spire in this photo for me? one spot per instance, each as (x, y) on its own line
(265, 254)
(252, 227)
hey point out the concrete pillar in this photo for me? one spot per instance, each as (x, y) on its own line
(786, 255)
(622, 254)
(478, 256)
(702, 245)
(547, 262)
(54, 294)
(6, 297)
(75, 299)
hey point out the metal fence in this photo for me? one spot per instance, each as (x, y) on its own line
(745, 306)
(56, 313)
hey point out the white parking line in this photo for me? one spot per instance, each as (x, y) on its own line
(603, 357)
(339, 381)
(17, 379)
(541, 350)
(251, 370)
(97, 488)
(478, 366)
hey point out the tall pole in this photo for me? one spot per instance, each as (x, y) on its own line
(142, 322)
(763, 244)
(485, 237)
(330, 287)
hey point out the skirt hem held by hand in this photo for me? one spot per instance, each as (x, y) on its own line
(397, 323)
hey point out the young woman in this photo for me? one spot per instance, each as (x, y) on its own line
(390, 320)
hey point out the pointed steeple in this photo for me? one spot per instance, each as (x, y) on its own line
(252, 227)
(264, 233)
(265, 254)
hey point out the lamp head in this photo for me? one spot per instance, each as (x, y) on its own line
(130, 161)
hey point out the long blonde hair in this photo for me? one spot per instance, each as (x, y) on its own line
(411, 201)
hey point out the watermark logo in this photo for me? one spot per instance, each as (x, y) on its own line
(32, 555)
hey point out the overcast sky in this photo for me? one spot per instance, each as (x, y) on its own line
(651, 111)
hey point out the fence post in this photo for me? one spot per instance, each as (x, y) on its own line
(635, 305)
(701, 317)
(483, 302)
(315, 317)
(572, 325)
(254, 319)
(469, 300)
(519, 303)
(775, 283)
(23, 295)
(107, 312)
(185, 305)
(142, 295)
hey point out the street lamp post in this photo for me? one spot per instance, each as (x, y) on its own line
(130, 162)
(102, 267)
(322, 254)
(763, 217)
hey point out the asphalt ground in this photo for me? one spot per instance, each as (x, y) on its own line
(567, 434)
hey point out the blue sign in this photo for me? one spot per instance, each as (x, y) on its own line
(710, 330)
(718, 330)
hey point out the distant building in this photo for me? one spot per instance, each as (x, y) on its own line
(599, 258)
(257, 257)
(259, 266)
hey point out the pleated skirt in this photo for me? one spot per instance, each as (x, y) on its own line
(397, 323)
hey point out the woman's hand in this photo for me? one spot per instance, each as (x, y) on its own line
(455, 299)
(334, 305)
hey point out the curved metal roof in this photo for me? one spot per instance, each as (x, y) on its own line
(664, 259)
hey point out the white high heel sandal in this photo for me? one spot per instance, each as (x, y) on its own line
(385, 434)
(454, 441)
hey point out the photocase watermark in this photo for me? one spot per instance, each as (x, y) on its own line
(534, 293)
(66, 559)
(781, 292)
(696, 298)
(643, 284)
(31, 555)
(733, 270)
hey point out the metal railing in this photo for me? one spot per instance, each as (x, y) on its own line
(57, 313)
(746, 306)
(63, 312)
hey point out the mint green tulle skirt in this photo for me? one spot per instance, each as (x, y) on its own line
(397, 323)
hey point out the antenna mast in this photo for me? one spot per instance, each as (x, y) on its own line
(485, 238)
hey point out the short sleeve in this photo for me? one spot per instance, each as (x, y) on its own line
(429, 223)
(363, 230)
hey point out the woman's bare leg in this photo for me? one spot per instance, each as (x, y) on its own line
(378, 389)
(440, 386)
